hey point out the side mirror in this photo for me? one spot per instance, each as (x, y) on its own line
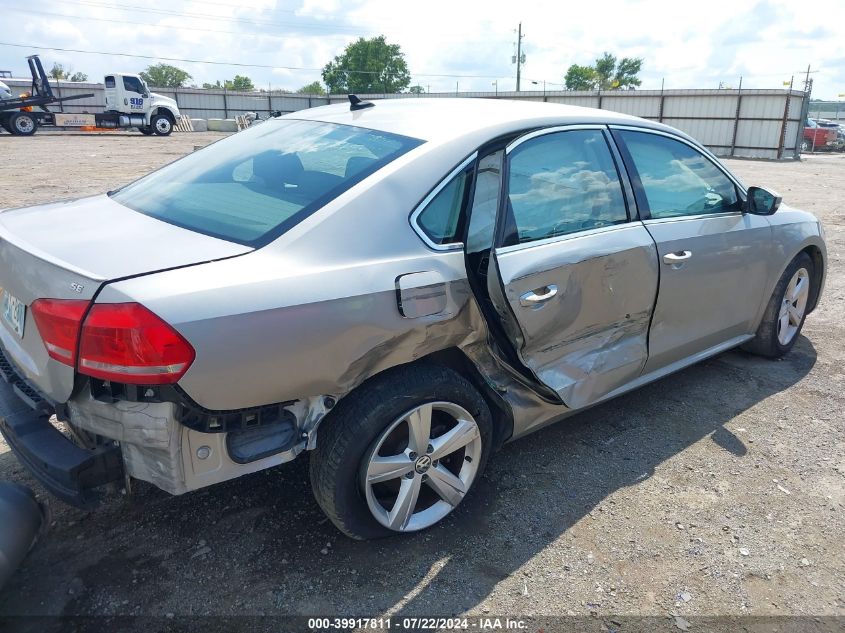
(761, 201)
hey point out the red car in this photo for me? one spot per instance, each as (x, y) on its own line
(817, 137)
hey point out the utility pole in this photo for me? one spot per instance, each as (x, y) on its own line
(519, 58)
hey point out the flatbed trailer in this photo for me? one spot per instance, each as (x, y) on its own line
(17, 115)
(129, 104)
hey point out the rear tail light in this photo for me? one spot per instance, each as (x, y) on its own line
(58, 324)
(124, 342)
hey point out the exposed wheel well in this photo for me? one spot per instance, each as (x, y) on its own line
(166, 113)
(455, 359)
(818, 270)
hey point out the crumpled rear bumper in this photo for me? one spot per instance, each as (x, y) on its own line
(66, 470)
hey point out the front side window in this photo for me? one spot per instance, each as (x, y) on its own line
(254, 185)
(677, 179)
(133, 84)
(562, 183)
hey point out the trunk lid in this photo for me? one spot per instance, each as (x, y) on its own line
(68, 250)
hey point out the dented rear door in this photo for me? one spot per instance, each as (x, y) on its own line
(578, 277)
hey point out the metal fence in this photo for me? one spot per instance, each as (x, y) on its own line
(833, 110)
(743, 123)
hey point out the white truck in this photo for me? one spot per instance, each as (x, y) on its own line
(129, 103)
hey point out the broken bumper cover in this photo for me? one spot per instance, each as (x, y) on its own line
(66, 470)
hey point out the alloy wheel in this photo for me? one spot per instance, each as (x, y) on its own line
(421, 466)
(793, 306)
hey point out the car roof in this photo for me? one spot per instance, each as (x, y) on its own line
(433, 119)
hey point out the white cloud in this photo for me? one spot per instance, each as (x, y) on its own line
(689, 44)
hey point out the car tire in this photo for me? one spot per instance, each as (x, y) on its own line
(162, 124)
(786, 311)
(146, 130)
(805, 145)
(361, 428)
(23, 124)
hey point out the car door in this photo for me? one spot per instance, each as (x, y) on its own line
(712, 255)
(134, 94)
(576, 277)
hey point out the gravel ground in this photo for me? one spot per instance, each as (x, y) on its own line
(716, 491)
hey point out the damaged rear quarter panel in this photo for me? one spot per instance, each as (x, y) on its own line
(262, 338)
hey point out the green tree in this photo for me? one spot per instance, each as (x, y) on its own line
(79, 77)
(580, 78)
(216, 84)
(608, 73)
(416, 90)
(368, 66)
(165, 76)
(58, 71)
(242, 83)
(314, 88)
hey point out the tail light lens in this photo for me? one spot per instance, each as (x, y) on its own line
(126, 342)
(58, 324)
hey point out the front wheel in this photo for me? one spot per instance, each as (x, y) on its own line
(162, 125)
(786, 310)
(401, 453)
(23, 124)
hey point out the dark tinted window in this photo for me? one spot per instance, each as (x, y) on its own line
(256, 184)
(677, 179)
(110, 82)
(441, 216)
(133, 84)
(563, 183)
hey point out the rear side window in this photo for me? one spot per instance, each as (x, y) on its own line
(440, 220)
(254, 185)
(562, 183)
(677, 179)
(109, 82)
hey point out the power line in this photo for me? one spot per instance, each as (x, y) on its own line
(238, 64)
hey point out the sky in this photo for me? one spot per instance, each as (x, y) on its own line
(448, 44)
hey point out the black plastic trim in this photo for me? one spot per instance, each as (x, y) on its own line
(66, 470)
(189, 413)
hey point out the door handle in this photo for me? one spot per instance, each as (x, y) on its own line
(677, 257)
(538, 296)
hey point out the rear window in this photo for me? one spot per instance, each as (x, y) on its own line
(253, 186)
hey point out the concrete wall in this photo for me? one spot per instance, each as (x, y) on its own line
(747, 123)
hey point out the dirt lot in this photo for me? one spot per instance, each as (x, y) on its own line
(717, 491)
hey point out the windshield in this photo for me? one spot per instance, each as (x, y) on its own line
(255, 185)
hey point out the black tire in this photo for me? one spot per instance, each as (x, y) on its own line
(23, 124)
(347, 436)
(765, 341)
(146, 130)
(161, 124)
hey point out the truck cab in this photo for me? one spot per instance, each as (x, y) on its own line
(129, 99)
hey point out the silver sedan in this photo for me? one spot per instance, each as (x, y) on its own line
(398, 288)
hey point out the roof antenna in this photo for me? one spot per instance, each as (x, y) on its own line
(356, 104)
